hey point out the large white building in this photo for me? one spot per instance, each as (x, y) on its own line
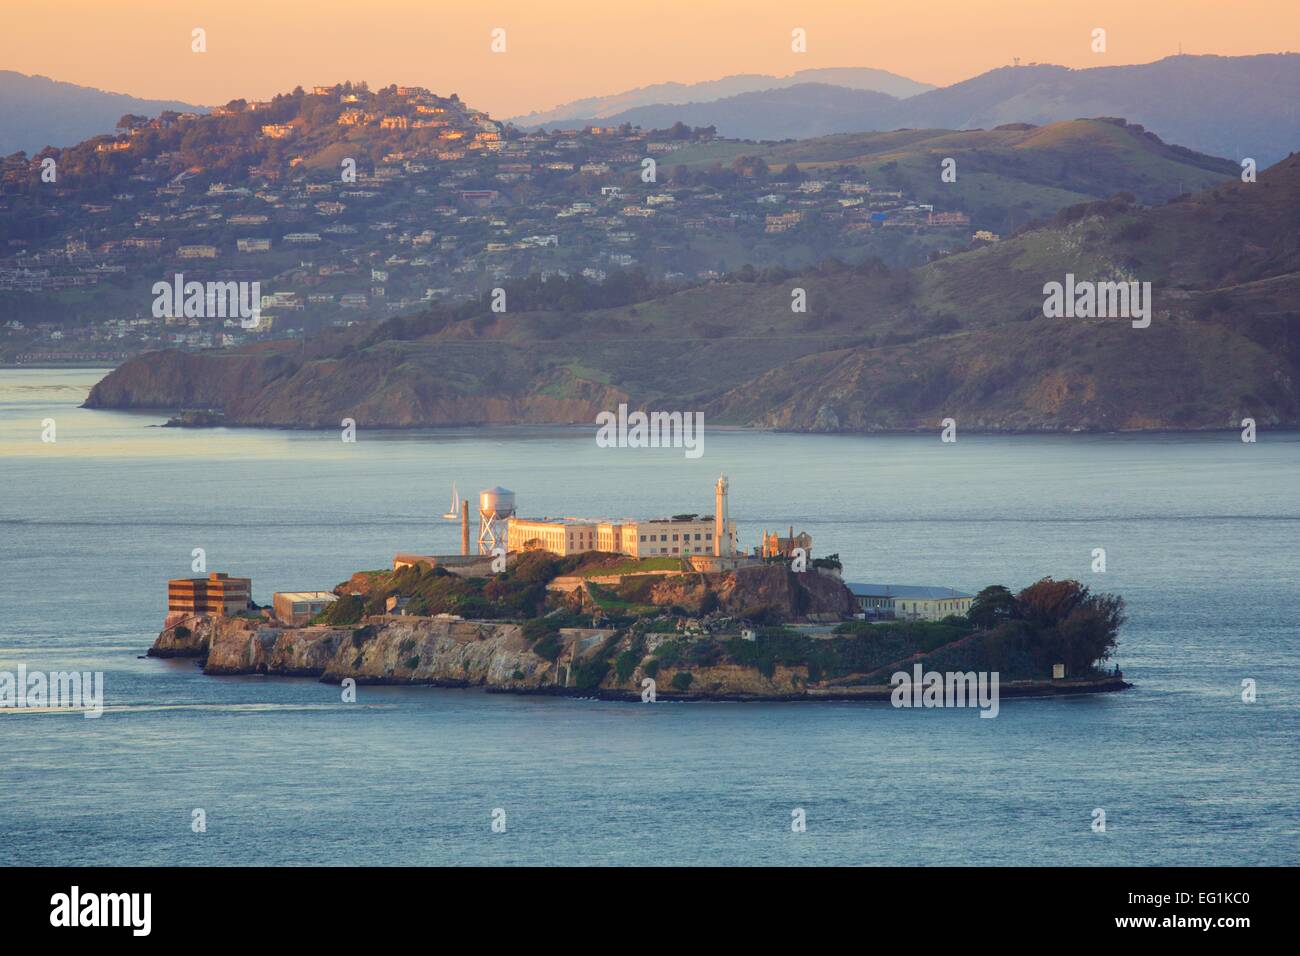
(713, 534)
(637, 538)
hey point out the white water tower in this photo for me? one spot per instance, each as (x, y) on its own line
(495, 507)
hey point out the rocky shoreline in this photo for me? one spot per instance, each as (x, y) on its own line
(449, 652)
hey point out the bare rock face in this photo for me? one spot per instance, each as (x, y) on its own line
(184, 636)
(745, 591)
(243, 646)
(733, 681)
(384, 650)
(429, 650)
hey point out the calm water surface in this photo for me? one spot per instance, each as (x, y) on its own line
(1201, 534)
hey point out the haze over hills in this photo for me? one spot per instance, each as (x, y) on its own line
(879, 348)
(36, 111)
(600, 107)
(1225, 106)
(790, 112)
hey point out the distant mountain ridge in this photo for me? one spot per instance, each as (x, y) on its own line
(798, 112)
(660, 94)
(1224, 106)
(36, 111)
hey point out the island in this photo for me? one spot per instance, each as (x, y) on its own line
(604, 625)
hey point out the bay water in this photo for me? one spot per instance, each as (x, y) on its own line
(1202, 539)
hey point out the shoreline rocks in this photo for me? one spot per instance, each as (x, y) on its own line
(497, 657)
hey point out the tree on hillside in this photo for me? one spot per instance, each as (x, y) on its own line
(1088, 634)
(1071, 622)
(1047, 603)
(753, 167)
(790, 174)
(992, 606)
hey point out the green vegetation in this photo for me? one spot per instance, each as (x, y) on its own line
(859, 647)
(628, 566)
(520, 592)
(625, 664)
(1049, 622)
(669, 653)
(549, 646)
(609, 601)
(347, 610)
(1005, 176)
(682, 680)
(536, 628)
(1046, 623)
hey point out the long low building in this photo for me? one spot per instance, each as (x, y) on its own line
(684, 535)
(909, 601)
(299, 607)
(637, 538)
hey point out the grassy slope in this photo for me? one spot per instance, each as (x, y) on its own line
(1006, 176)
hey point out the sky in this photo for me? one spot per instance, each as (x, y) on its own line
(561, 50)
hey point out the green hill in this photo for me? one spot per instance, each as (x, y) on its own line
(1005, 176)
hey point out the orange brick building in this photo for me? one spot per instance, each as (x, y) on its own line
(216, 594)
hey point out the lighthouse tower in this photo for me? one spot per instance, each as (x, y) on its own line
(723, 542)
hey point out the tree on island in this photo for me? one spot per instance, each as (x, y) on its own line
(992, 606)
(1049, 622)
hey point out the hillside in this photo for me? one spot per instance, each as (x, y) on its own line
(879, 348)
(1224, 106)
(1005, 176)
(36, 112)
(347, 204)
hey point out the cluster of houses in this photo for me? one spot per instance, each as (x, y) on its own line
(454, 204)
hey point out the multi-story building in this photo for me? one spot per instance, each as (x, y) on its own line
(655, 537)
(218, 593)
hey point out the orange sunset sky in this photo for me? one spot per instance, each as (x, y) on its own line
(560, 50)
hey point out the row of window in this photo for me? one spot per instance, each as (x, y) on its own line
(708, 536)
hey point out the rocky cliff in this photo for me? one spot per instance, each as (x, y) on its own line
(497, 656)
(747, 592)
